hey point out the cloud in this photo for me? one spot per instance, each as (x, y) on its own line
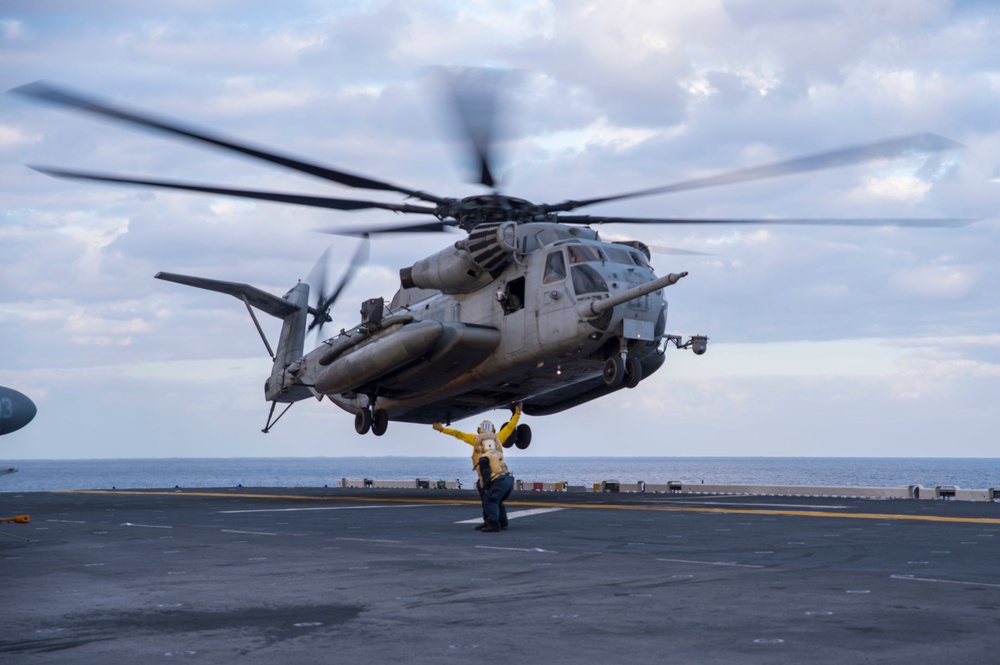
(934, 282)
(11, 137)
(823, 340)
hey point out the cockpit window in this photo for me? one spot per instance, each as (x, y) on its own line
(588, 280)
(619, 255)
(555, 267)
(546, 237)
(640, 259)
(584, 254)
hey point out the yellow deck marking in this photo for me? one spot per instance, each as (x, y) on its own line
(555, 504)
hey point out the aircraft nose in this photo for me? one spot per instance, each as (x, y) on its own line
(16, 410)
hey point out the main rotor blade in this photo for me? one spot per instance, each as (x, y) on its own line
(429, 227)
(298, 199)
(474, 94)
(827, 160)
(946, 222)
(46, 92)
(676, 251)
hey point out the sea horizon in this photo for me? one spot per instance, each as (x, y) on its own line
(327, 471)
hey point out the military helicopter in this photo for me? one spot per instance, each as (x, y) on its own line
(531, 306)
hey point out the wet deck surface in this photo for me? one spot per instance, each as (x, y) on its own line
(336, 575)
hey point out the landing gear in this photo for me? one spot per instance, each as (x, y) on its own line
(362, 421)
(614, 371)
(510, 439)
(633, 372)
(380, 422)
(376, 421)
(522, 437)
(622, 369)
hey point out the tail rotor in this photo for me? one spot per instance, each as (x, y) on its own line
(325, 297)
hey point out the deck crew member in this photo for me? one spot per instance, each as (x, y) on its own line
(485, 431)
(497, 484)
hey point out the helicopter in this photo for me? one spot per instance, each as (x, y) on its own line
(531, 306)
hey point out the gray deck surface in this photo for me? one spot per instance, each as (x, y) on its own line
(373, 576)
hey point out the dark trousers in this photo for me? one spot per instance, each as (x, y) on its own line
(482, 499)
(494, 497)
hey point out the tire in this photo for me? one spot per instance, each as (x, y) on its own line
(633, 372)
(523, 436)
(380, 422)
(512, 439)
(362, 421)
(614, 371)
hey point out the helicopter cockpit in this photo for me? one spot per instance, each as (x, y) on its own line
(592, 265)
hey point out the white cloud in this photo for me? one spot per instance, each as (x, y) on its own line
(243, 94)
(11, 29)
(12, 137)
(900, 187)
(859, 358)
(934, 282)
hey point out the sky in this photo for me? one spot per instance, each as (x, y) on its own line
(878, 341)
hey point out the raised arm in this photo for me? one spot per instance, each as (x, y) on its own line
(508, 429)
(457, 433)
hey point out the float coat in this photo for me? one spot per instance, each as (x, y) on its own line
(491, 464)
(476, 440)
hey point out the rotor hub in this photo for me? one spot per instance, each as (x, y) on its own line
(492, 209)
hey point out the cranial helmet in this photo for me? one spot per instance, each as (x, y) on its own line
(486, 426)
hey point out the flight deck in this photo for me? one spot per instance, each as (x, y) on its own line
(378, 575)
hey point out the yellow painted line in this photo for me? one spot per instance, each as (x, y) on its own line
(555, 504)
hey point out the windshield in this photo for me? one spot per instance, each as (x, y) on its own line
(555, 267)
(584, 254)
(619, 255)
(588, 280)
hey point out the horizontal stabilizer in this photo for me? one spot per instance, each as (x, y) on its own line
(262, 300)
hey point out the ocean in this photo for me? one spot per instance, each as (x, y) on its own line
(41, 475)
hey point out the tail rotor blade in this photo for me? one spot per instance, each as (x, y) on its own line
(317, 282)
(327, 300)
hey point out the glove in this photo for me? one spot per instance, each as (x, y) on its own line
(439, 427)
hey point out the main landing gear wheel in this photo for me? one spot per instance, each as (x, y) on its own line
(633, 372)
(380, 422)
(362, 421)
(510, 439)
(614, 371)
(522, 437)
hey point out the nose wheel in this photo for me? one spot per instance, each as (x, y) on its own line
(620, 371)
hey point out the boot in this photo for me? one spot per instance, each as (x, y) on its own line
(492, 527)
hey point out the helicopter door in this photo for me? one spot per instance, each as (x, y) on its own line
(511, 299)
(557, 316)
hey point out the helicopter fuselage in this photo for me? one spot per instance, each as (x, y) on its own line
(523, 332)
